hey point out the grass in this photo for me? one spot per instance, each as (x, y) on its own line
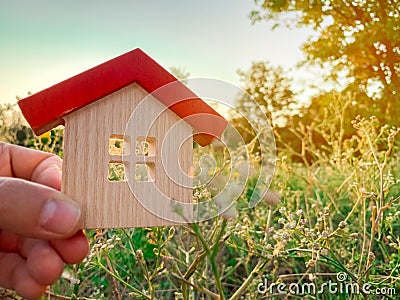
(333, 212)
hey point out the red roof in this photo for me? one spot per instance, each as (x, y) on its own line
(46, 109)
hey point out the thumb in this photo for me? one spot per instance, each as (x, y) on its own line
(37, 211)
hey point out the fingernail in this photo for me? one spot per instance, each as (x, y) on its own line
(59, 216)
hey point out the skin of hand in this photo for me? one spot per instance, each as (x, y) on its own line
(40, 228)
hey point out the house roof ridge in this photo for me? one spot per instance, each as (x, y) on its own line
(45, 110)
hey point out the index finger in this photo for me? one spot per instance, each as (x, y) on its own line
(29, 164)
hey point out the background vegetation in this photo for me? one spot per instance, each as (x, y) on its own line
(335, 200)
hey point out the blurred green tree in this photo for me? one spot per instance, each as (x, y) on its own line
(357, 41)
(179, 73)
(13, 128)
(269, 94)
(268, 101)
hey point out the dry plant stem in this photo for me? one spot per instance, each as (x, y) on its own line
(60, 297)
(193, 266)
(238, 152)
(213, 262)
(142, 295)
(114, 281)
(331, 199)
(302, 275)
(351, 176)
(198, 288)
(334, 260)
(347, 217)
(247, 148)
(376, 218)
(364, 236)
(185, 288)
(268, 224)
(234, 268)
(254, 273)
(211, 253)
(142, 265)
(306, 140)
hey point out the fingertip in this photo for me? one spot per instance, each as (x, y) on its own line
(74, 249)
(44, 264)
(48, 172)
(34, 210)
(26, 286)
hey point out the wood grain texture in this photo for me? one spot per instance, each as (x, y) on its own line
(108, 204)
(50, 107)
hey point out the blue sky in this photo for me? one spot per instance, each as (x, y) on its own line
(45, 41)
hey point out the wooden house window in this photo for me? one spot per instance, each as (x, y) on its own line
(117, 171)
(145, 150)
(144, 172)
(145, 146)
(118, 146)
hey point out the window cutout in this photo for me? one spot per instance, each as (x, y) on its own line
(119, 145)
(144, 172)
(117, 171)
(145, 146)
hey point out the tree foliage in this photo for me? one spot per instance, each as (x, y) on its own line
(272, 97)
(358, 41)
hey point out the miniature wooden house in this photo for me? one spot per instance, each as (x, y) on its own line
(129, 127)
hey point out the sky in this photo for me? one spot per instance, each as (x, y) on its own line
(43, 42)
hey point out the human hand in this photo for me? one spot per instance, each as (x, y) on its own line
(39, 226)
